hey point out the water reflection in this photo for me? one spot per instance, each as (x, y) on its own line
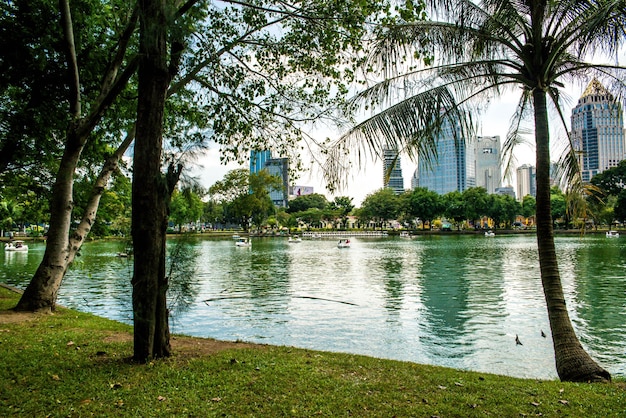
(598, 296)
(448, 300)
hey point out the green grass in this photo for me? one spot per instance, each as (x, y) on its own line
(75, 364)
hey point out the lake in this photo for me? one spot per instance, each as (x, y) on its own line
(449, 300)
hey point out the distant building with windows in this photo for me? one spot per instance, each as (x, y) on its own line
(487, 159)
(279, 167)
(506, 191)
(526, 181)
(392, 171)
(258, 160)
(597, 125)
(262, 160)
(454, 167)
(415, 179)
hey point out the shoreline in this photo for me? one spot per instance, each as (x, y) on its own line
(353, 232)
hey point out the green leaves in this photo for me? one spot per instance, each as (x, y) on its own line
(245, 196)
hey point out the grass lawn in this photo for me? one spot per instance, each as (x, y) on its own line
(73, 364)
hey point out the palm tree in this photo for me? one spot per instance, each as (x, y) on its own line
(475, 51)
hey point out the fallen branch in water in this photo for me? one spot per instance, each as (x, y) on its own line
(328, 300)
(206, 301)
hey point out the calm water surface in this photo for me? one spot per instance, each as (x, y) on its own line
(455, 301)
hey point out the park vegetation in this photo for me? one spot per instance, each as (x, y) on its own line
(80, 88)
(84, 81)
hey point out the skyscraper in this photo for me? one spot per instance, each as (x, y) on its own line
(454, 167)
(488, 174)
(258, 160)
(279, 167)
(392, 171)
(526, 181)
(415, 179)
(262, 160)
(597, 124)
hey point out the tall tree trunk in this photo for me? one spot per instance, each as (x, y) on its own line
(573, 363)
(41, 293)
(149, 219)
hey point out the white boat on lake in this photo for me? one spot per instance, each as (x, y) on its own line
(295, 239)
(15, 246)
(612, 234)
(344, 243)
(490, 234)
(243, 242)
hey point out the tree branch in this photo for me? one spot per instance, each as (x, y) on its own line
(72, 62)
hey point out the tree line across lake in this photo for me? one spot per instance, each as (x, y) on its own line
(242, 199)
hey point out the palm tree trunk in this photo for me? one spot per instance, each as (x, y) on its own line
(573, 363)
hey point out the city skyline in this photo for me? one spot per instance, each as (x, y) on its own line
(494, 122)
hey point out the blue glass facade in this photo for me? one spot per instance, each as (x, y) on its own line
(258, 159)
(453, 169)
(279, 167)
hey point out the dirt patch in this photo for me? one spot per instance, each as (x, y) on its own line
(12, 317)
(189, 347)
(198, 347)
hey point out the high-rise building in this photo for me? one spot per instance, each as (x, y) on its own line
(262, 160)
(279, 167)
(258, 160)
(415, 179)
(526, 181)
(392, 171)
(597, 125)
(454, 167)
(487, 158)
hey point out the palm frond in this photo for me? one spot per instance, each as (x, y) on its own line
(473, 51)
(517, 135)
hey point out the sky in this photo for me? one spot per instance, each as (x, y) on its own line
(369, 179)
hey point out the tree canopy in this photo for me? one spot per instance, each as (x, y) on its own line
(423, 204)
(307, 201)
(381, 206)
